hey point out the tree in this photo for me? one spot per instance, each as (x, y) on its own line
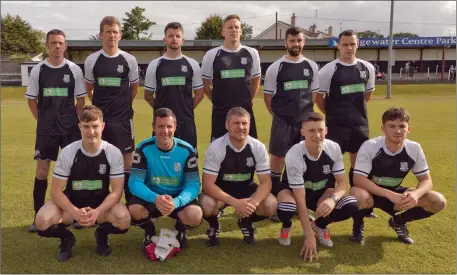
(405, 34)
(18, 37)
(211, 29)
(136, 24)
(369, 34)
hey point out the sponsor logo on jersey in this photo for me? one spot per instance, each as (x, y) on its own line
(404, 166)
(173, 81)
(88, 185)
(386, 181)
(326, 169)
(237, 73)
(244, 60)
(250, 162)
(55, 92)
(316, 185)
(177, 167)
(294, 85)
(66, 78)
(363, 74)
(120, 68)
(102, 169)
(184, 68)
(305, 72)
(236, 177)
(109, 81)
(353, 88)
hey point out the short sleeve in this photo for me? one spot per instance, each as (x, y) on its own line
(256, 70)
(338, 162)
(325, 77)
(197, 81)
(116, 162)
(212, 162)
(89, 67)
(150, 82)
(295, 168)
(62, 168)
(420, 167)
(315, 84)
(271, 76)
(262, 159)
(34, 86)
(207, 64)
(371, 79)
(363, 162)
(80, 91)
(133, 65)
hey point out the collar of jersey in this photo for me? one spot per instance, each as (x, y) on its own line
(293, 62)
(233, 147)
(309, 155)
(55, 67)
(384, 147)
(231, 51)
(338, 60)
(93, 154)
(169, 58)
(165, 152)
(111, 56)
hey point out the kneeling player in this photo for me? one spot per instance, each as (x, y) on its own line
(165, 180)
(382, 164)
(228, 173)
(313, 167)
(86, 169)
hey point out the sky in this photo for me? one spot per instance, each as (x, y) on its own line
(80, 19)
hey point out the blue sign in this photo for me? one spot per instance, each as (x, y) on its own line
(402, 41)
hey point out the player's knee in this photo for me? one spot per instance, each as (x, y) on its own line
(348, 204)
(43, 220)
(123, 219)
(42, 172)
(439, 202)
(364, 199)
(193, 216)
(269, 206)
(208, 205)
(138, 212)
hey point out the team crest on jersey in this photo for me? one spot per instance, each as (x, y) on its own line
(363, 74)
(326, 169)
(177, 167)
(184, 68)
(250, 162)
(244, 60)
(102, 169)
(66, 78)
(120, 68)
(305, 72)
(404, 166)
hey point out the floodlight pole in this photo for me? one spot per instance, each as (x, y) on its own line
(389, 62)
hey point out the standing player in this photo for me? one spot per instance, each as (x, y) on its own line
(54, 83)
(234, 71)
(347, 83)
(172, 77)
(290, 89)
(86, 169)
(228, 178)
(112, 84)
(316, 181)
(165, 180)
(382, 164)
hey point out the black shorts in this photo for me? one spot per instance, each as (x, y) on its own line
(154, 212)
(283, 136)
(384, 203)
(349, 137)
(120, 134)
(186, 131)
(47, 147)
(92, 203)
(218, 124)
(241, 192)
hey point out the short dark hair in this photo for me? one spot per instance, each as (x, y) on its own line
(313, 116)
(239, 111)
(163, 113)
(173, 25)
(90, 113)
(395, 113)
(54, 32)
(346, 33)
(294, 31)
(231, 16)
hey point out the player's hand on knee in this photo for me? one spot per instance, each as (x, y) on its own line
(325, 207)
(410, 200)
(309, 250)
(92, 216)
(164, 204)
(244, 207)
(396, 198)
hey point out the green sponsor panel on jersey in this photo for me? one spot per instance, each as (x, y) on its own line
(109, 81)
(386, 181)
(55, 91)
(354, 88)
(316, 185)
(238, 73)
(236, 177)
(165, 180)
(173, 81)
(79, 185)
(294, 85)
